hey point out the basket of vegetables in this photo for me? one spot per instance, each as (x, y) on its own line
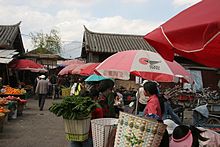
(76, 113)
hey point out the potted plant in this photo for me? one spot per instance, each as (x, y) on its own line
(76, 112)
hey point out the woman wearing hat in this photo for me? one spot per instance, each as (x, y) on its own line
(185, 136)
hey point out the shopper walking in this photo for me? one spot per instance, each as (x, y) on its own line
(42, 90)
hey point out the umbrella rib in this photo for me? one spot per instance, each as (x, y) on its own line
(166, 37)
(200, 49)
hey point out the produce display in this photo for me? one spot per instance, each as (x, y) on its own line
(4, 110)
(14, 91)
(3, 101)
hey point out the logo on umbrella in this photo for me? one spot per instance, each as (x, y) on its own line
(145, 61)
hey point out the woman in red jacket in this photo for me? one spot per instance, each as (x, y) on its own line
(155, 103)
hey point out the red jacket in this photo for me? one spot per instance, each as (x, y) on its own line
(153, 106)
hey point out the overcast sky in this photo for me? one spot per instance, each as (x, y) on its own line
(106, 16)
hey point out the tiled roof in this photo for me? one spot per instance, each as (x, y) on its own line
(112, 43)
(8, 34)
(10, 37)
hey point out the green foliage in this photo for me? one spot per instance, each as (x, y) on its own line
(51, 41)
(73, 107)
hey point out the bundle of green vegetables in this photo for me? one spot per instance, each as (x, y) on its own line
(74, 107)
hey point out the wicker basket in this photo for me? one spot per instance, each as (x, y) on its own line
(101, 129)
(147, 132)
(77, 130)
(65, 91)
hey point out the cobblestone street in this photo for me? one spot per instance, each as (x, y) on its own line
(34, 129)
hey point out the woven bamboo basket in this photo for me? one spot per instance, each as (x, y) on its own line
(145, 132)
(101, 129)
(77, 130)
(65, 92)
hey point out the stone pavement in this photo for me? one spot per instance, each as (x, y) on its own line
(34, 129)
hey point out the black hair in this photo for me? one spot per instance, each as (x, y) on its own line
(152, 88)
(106, 84)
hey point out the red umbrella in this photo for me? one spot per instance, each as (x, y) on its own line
(89, 70)
(85, 69)
(73, 61)
(193, 34)
(25, 64)
(67, 70)
(146, 64)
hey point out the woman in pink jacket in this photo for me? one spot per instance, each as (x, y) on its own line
(155, 103)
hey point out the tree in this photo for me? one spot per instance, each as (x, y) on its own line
(51, 41)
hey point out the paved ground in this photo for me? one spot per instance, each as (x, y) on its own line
(34, 129)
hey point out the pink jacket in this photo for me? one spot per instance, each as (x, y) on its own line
(153, 106)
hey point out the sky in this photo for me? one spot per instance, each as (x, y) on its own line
(69, 17)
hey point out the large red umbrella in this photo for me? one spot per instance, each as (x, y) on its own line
(193, 34)
(25, 64)
(85, 69)
(67, 70)
(146, 64)
(73, 61)
(89, 70)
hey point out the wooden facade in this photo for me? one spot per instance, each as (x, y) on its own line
(11, 42)
(44, 57)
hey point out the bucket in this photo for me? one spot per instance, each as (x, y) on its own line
(77, 130)
(101, 129)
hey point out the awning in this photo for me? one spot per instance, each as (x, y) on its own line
(6, 56)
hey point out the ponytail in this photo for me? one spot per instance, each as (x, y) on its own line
(161, 101)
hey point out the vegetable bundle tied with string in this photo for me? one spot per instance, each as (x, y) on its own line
(74, 107)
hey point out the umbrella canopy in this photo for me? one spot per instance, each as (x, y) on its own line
(85, 69)
(88, 69)
(25, 64)
(193, 34)
(67, 70)
(95, 78)
(73, 61)
(146, 64)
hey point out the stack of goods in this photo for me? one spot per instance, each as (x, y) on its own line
(7, 90)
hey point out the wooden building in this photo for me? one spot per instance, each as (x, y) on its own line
(44, 57)
(11, 46)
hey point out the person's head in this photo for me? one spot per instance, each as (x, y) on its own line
(150, 88)
(186, 136)
(106, 85)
